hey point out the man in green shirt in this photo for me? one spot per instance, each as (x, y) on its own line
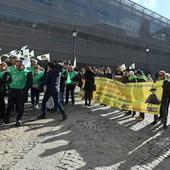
(21, 82)
(71, 84)
(37, 84)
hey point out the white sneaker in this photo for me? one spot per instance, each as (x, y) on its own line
(36, 106)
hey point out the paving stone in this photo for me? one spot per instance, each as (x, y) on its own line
(84, 141)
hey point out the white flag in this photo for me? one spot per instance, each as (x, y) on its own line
(75, 62)
(26, 53)
(23, 48)
(44, 57)
(26, 62)
(19, 56)
(32, 53)
(13, 53)
(122, 67)
(132, 67)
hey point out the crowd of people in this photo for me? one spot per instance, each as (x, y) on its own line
(127, 75)
(57, 80)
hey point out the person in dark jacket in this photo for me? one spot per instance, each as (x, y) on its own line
(5, 79)
(52, 82)
(63, 84)
(164, 102)
(108, 73)
(89, 85)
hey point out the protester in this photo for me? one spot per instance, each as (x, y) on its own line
(5, 79)
(164, 101)
(34, 62)
(132, 78)
(125, 76)
(118, 74)
(12, 63)
(52, 90)
(71, 84)
(63, 84)
(60, 76)
(21, 82)
(108, 73)
(37, 86)
(89, 86)
(141, 78)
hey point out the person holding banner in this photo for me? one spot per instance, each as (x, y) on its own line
(164, 102)
(21, 82)
(5, 79)
(119, 72)
(108, 73)
(132, 78)
(140, 78)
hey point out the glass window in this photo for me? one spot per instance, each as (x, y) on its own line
(46, 2)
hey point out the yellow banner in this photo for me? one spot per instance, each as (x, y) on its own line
(141, 97)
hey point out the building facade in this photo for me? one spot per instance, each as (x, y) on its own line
(110, 32)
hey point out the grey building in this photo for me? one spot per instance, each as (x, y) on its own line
(110, 32)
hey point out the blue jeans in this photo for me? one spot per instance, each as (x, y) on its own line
(61, 96)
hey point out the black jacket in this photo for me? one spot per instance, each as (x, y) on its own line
(89, 81)
(52, 80)
(4, 83)
(166, 91)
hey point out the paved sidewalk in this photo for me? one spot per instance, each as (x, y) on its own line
(96, 137)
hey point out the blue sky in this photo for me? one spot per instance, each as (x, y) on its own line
(161, 7)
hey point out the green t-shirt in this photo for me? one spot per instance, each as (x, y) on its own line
(19, 78)
(71, 76)
(37, 78)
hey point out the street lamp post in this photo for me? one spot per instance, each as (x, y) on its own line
(74, 34)
(147, 54)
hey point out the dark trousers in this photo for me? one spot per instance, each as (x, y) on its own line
(142, 115)
(16, 97)
(2, 106)
(35, 93)
(54, 94)
(132, 112)
(70, 88)
(163, 112)
(61, 97)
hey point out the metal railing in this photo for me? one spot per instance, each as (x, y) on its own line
(144, 11)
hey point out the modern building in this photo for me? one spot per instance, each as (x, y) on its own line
(110, 32)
